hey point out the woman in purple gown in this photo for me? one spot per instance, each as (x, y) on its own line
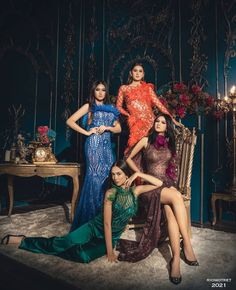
(162, 206)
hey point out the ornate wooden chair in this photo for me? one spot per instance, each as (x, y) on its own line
(185, 146)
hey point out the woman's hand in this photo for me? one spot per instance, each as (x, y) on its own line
(177, 123)
(112, 257)
(131, 179)
(92, 131)
(101, 129)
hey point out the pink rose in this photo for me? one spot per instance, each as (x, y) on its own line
(184, 99)
(43, 130)
(171, 171)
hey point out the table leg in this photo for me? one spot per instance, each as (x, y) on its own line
(11, 193)
(220, 211)
(75, 196)
(213, 205)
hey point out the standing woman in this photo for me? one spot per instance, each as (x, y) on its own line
(139, 98)
(100, 119)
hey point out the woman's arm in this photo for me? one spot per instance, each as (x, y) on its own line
(156, 102)
(155, 182)
(71, 122)
(137, 148)
(115, 129)
(107, 226)
(120, 100)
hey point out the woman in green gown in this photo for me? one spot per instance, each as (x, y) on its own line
(100, 235)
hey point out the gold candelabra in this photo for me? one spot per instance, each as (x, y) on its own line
(230, 100)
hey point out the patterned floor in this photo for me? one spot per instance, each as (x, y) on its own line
(215, 250)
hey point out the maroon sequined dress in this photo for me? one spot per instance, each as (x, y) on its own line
(158, 162)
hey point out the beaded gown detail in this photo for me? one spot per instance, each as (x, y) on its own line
(99, 158)
(88, 241)
(139, 101)
(157, 161)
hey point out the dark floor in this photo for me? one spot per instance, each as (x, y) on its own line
(17, 276)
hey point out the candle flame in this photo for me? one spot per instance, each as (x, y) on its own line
(233, 90)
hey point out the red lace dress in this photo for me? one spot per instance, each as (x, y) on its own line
(139, 101)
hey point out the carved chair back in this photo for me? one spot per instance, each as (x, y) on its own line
(185, 145)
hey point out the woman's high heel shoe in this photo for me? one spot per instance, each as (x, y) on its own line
(190, 263)
(174, 280)
(5, 240)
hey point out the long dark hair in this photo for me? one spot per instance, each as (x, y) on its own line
(121, 163)
(130, 78)
(91, 99)
(168, 134)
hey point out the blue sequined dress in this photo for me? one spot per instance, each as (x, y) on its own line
(99, 158)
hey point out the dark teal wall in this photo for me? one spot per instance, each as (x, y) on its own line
(51, 51)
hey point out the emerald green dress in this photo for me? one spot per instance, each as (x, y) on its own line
(88, 241)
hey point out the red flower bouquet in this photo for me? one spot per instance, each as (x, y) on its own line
(45, 135)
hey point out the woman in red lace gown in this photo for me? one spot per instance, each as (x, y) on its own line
(139, 98)
(163, 205)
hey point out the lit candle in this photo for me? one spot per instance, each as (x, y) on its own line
(232, 90)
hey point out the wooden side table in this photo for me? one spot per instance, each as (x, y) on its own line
(221, 196)
(47, 170)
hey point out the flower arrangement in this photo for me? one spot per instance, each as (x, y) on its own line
(181, 99)
(45, 135)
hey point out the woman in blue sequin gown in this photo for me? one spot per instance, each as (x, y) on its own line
(99, 121)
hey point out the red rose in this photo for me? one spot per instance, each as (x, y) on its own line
(179, 87)
(209, 101)
(163, 101)
(43, 130)
(218, 114)
(44, 139)
(184, 99)
(181, 111)
(196, 89)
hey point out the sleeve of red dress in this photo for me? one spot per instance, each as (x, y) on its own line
(120, 100)
(156, 102)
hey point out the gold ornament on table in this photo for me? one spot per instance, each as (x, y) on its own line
(42, 148)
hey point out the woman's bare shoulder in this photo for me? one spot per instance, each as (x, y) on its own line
(110, 194)
(123, 87)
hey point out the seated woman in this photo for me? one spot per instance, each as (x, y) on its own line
(100, 235)
(159, 160)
